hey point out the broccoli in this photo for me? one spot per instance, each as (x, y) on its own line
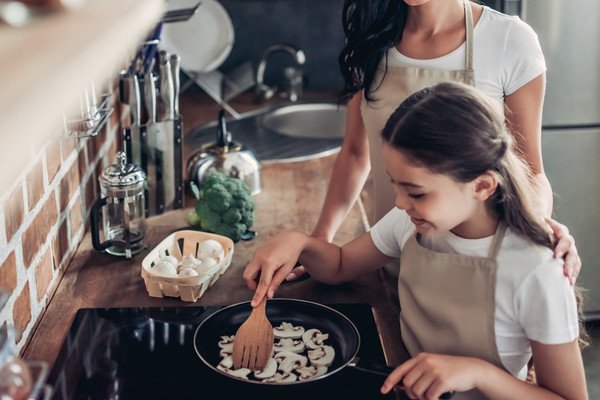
(225, 207)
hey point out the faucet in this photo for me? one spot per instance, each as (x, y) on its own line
(265, 92)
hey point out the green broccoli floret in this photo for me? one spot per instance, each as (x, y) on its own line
(225, 206)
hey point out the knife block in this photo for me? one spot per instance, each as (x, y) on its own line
(157, 149)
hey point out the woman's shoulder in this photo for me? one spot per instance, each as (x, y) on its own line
(495, 25)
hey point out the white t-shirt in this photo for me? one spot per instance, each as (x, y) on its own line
(534, 300)
(506, 55)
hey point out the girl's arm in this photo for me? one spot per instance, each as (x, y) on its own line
(559, 373)
(524, 116)
(326, 262)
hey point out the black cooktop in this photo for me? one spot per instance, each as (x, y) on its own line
(148, 353)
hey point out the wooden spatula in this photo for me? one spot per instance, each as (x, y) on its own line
(253, 340)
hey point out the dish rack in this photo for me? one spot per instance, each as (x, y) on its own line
(179, 244)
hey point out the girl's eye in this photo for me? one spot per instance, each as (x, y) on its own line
(416, 195)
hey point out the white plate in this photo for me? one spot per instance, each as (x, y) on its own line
(204, 41)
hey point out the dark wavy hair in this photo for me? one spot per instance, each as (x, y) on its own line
(372, 27)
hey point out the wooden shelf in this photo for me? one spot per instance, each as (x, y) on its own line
(45, 65)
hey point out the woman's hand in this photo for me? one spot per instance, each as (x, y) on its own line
(565, 248)
(428, 376)
(271, 263)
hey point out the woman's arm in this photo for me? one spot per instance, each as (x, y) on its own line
(349, 174)
(524, 116)
(326, 262)
(559, 372)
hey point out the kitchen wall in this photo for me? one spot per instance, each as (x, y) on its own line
(43, 216)
(315, 26)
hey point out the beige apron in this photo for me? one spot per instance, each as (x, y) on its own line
(397, 84)
(448, 303)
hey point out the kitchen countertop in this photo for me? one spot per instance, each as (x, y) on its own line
(291, 198)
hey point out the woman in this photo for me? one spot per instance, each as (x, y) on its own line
(395, 48)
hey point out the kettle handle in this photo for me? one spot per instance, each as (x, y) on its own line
(95, 225)
(222, 140)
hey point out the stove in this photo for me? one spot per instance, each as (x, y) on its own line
(148, 353)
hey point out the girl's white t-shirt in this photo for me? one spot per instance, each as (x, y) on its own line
(506, 55)
(534, 300)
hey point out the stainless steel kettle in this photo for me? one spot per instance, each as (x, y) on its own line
(226, 156)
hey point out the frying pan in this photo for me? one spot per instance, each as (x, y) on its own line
(343, 335)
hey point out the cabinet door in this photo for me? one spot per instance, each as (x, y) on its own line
(572, 164)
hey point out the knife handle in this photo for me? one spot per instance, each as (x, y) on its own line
(175, 60)
(149, 98)
(133, 97)
(166, 89)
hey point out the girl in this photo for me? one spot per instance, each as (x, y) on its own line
(396, 47)
(480, 291)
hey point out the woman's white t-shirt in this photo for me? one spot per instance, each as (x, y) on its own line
(506, 55)
(534, 300)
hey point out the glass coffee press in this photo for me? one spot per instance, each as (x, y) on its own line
(122, 204)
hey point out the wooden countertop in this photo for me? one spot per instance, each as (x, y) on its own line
(291, 198)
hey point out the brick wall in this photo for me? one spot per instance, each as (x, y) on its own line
(43, 216)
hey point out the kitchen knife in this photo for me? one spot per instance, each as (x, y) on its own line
(149, 153)
(133, 97)
(175, 67)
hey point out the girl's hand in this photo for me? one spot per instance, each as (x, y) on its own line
(271, 263)
(565, 248)
(428, 376)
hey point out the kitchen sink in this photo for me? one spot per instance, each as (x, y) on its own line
(310, 120)
(287, 132)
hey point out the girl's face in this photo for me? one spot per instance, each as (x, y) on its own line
(435, 202)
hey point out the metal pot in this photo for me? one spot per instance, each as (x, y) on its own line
(226, 156)
(343, 336)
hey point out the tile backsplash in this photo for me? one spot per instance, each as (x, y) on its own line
(43, 217)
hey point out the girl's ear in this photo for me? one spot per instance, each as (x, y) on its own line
(485, 185)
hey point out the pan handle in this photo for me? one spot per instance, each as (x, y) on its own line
(378, 368)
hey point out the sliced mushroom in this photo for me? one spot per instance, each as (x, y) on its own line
(289, 344)
(269, 371)
(310, 371)
(313, 338)
(226, 340)
(226, 350)
(226, 365)
(287, 330)
(282, 378)
(321, 357)
(239, 373)
(289, 361)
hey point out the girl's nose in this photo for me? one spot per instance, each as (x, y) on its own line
(402, 202)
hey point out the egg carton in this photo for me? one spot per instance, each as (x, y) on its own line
(179, 244)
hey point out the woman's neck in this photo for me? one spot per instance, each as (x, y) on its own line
(434, 17)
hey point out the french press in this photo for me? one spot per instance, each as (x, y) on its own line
(122, 203)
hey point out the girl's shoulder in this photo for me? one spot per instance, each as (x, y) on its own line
(520, 259)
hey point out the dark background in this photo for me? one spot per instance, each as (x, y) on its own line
(315, 26)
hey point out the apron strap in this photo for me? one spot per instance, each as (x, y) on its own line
(497, 240)
(469, 38)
